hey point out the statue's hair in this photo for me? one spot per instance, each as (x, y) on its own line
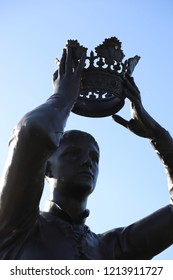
(73, 134)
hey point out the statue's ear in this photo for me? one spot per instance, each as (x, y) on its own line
(48, 171)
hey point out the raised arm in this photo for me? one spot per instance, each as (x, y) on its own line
(142, 124)
(34, 139)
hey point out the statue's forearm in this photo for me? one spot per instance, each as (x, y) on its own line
(163, 145)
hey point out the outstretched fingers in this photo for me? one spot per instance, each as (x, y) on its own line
(131, 90)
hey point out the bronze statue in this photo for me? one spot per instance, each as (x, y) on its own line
(70, 161)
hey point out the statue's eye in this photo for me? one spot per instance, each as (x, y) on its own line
(94, 157)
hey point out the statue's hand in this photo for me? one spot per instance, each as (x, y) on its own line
(141, 123)
(67, 78)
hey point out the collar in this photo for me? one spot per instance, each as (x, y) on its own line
(56, 210)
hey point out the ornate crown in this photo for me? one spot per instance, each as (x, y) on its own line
(101, 91)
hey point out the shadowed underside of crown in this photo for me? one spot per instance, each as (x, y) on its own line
(101, 91)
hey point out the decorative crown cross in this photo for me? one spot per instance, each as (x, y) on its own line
(101, 91)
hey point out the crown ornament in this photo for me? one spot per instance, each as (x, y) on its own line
(101, 89)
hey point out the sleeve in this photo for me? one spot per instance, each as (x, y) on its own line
(163, 145)
(34, 139)
(142, 240)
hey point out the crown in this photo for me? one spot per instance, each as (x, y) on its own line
(101, 90)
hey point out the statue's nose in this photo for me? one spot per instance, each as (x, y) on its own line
(86, 160)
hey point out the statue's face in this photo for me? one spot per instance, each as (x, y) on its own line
(76, 167)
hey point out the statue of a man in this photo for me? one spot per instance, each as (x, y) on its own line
(70, 161)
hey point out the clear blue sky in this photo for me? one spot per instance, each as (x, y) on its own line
(132, 182)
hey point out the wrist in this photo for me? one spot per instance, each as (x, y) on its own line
(61, 102)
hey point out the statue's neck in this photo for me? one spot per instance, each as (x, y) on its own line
(73, 207)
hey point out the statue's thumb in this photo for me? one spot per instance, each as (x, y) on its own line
(120, 120)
